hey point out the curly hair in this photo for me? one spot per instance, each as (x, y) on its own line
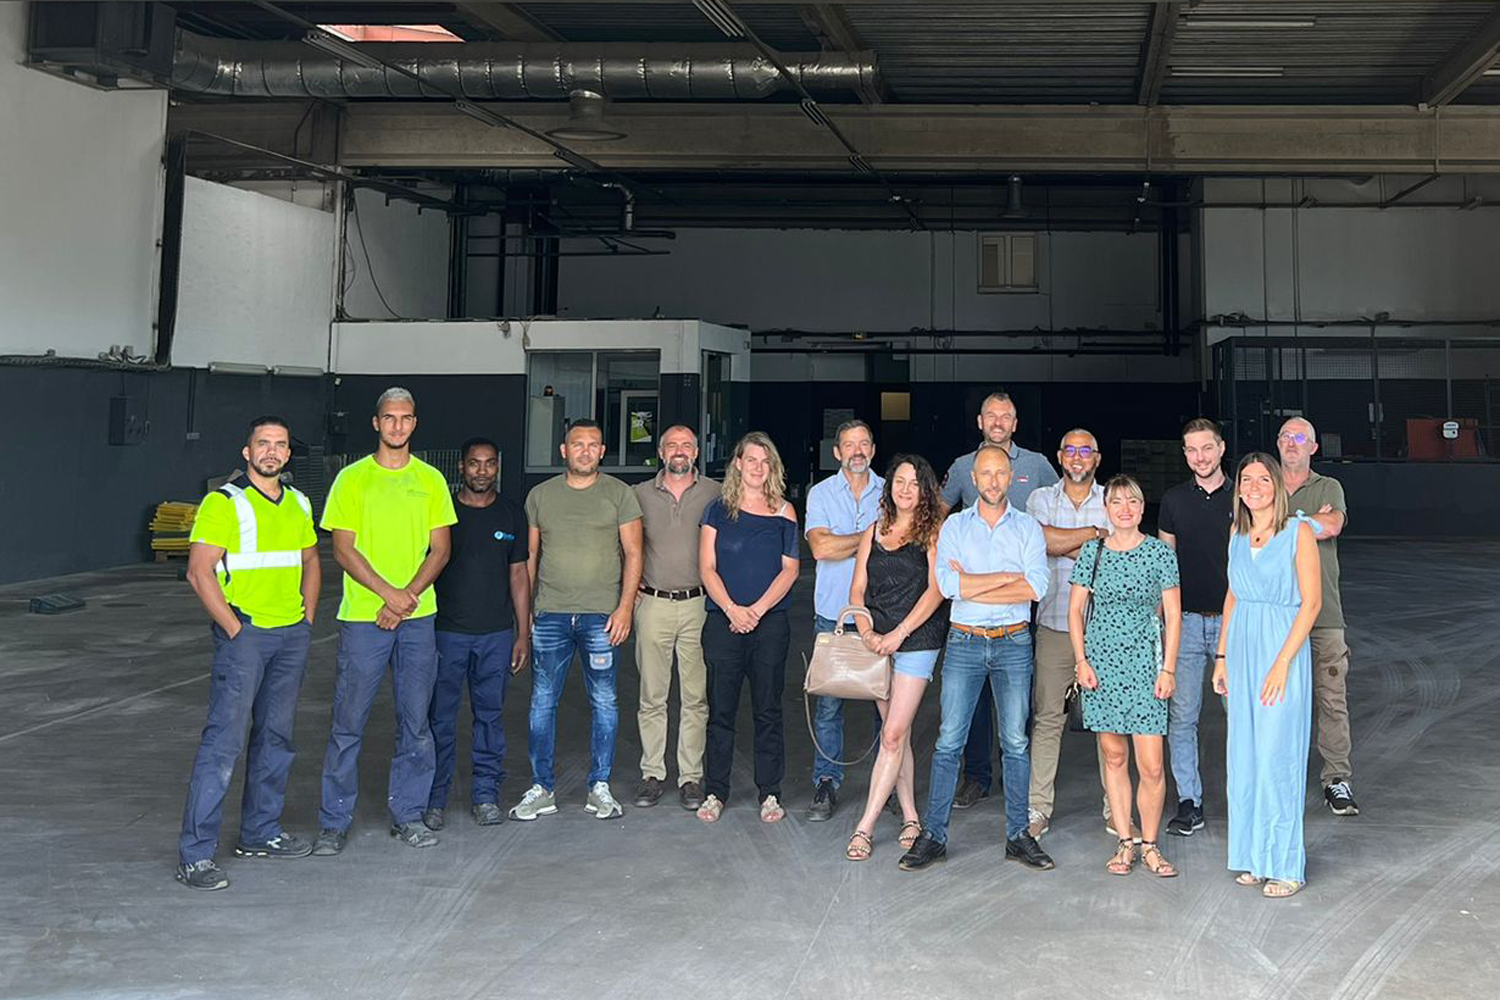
(775, 488)
(927, 519)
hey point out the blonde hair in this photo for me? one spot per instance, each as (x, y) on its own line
(1123, 484)
(775, 488)
(1280, 507)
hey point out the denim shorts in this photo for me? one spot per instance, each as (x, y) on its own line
(917, 663)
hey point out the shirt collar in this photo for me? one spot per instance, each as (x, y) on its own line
(661, 481)
(972, 512)
(875, 483)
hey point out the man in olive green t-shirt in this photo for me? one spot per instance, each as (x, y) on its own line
(585, 565)
(389, 514)
(1322, 499)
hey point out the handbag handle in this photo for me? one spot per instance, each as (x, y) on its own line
(813, 730)
(838, 625)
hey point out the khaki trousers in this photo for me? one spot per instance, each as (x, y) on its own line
(1049, 692)
(1330, 666)
(664, 627)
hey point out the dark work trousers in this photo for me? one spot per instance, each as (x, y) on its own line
(253, 687)
(365, 650)
(483, 663)
(760, 658)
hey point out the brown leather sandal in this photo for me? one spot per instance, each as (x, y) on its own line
(1124, 860)
(910, 831)
(860, 846)
(1162, 868)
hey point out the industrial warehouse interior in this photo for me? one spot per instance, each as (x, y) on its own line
(555, 222)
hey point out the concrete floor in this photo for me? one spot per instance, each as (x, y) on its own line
(101, 711)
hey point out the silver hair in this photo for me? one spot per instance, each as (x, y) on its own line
(1312, 431)
(395, 394)
(1078, 430)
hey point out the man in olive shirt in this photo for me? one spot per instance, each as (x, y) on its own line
(669, 618)
(1322, 499)
(585, 567)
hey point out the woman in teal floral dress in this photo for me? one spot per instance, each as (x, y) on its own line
(1121, 651)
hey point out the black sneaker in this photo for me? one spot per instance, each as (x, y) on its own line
(1189, 819)
(434, 819)
(691, 794)
(414, 835)
(924, 852)
(969, 793)
(283, 845)
(1340, 799)
(648, 793)
(825, 801)
(203, 875)
(329, 842)
(1024, 848)
(486, 813)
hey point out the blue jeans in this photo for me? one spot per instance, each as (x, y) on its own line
(554, 638)
(828, 723)
(365, 650)
(254, 683)
(969, 661)
(1200, 641)
(483, 661)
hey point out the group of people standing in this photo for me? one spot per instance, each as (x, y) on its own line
(449, 591)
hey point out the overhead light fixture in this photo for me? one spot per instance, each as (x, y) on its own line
(586, 120)
(297, 371)
(1249, 22)
(480, 114)
(1230, 72)
(338, 48)
(1015, 206)
(1493, 71)
(235, 368)
(725, 19)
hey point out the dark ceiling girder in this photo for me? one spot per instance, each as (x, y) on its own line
(1463, 66)
(830, 26)
(507, 21)
(1156, 52)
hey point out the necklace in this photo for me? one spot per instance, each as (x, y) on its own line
(1259, 538)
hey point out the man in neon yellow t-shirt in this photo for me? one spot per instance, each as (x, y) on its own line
(254, 565)
(389, 514)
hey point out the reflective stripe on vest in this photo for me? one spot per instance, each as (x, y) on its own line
(248, 558)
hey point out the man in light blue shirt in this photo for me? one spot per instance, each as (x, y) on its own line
(992, 563)
(1030, 470)
(839, 509)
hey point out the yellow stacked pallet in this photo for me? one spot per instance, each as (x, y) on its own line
(170, 527)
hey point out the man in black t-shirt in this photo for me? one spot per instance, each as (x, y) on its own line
(1195, 519)
(483, 631)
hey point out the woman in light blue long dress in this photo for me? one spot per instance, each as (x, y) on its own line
(1264, 670)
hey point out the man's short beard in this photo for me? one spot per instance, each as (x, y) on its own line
(1079, 477)
(679, 466)
(469, 485)
(261, 471)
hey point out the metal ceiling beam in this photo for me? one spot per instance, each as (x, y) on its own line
(1463, 66)
(830, 26)
(507, 21)
(950, 139)
(1156, 51)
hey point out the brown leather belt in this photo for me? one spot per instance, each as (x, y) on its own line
(993, 631)
(672, 595)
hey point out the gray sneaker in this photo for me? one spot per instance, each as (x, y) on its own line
(329, 843)
(536, 802)
(283, 845)
(487, 813)
(202, 875)
(433, 819)
(414, 835)
(601, 803)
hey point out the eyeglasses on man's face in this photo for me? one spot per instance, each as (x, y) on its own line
(1295, 437)
(1077, 450)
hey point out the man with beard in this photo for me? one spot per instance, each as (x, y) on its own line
(389, 513)
(1071, 513)
(669, 618)
(585, 567)
(483, 632)
(1195, 520)
(839, 509)
(997, 422)
(991, 563)
(254, 566)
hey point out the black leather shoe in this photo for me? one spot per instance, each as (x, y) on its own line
(691, 794)
(1024, 848)
(825, 801)
(648, 793)
(969, 793)
(329, 842)
(434, 819)
(923, 853)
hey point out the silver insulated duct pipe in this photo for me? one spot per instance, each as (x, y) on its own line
(505, 71)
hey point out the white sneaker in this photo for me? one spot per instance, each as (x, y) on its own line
(536, 802)
(601, 803)
(1037, 824)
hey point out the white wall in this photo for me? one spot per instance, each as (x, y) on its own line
(257, 279)
(844, 280)
(408, 253)
(80, 208)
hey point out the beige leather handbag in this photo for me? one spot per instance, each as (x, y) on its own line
(841, 667)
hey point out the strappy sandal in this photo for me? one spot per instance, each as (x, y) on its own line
(1277, 888)
(1248, 880)
(910, 831)
(1124, 860)
(709, 811)
(860, 846)
(1163, 868)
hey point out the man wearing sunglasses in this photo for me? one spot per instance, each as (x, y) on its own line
(1071, 513)
(1322, 499)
